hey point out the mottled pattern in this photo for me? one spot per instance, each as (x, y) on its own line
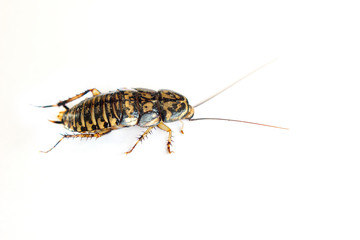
(125, 108)
(112, 117)
(173, 106)
(148, 107)
(130, 109)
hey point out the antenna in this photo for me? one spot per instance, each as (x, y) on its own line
(233, 120)
(247, 75)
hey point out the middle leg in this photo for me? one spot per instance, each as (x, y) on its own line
(142, 137)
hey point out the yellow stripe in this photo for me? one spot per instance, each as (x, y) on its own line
(82, 115)
(73, 118)
(104, 110)
(114, 106)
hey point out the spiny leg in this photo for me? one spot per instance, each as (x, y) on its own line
(142, 137)
(162, 126)
(81, 135)
(94, 91)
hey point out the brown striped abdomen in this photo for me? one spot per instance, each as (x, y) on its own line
(125, 108)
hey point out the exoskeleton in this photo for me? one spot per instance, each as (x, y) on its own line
(102, 113)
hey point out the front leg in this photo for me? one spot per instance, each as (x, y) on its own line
(162, 126)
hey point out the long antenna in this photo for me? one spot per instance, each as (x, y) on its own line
(233, 120)
(247, 75)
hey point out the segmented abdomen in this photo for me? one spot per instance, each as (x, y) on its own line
(125, 108)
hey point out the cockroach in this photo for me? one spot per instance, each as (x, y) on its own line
(103, 112)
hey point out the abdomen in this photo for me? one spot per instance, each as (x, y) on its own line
(123, 108)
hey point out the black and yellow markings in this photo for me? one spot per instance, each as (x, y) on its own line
(102, 113)
(92, 114)
(148, 107)
(77, 118)
(109, 110)
(174, 106)
(82, 117)
(129, 110)
(64, 118)
(87, 115)
(116, 106)
(73, 119)
(103, 102)
(99, 113)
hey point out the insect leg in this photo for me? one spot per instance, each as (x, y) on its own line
(142, 137)
(94, 91)
(182, 127)
(81, 135)
(162, 126)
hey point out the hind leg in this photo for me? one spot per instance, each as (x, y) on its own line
(81, 135)
(94, 91)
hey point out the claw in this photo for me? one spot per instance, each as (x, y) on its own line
(57, 122)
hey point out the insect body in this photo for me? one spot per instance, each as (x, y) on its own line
(102, 113)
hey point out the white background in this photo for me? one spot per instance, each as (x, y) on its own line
(225, 180)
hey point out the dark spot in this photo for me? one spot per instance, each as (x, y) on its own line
(106, 124)
(83, 129)
(163, 114)
(93, 127)
(174, 106)
(183, 105)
